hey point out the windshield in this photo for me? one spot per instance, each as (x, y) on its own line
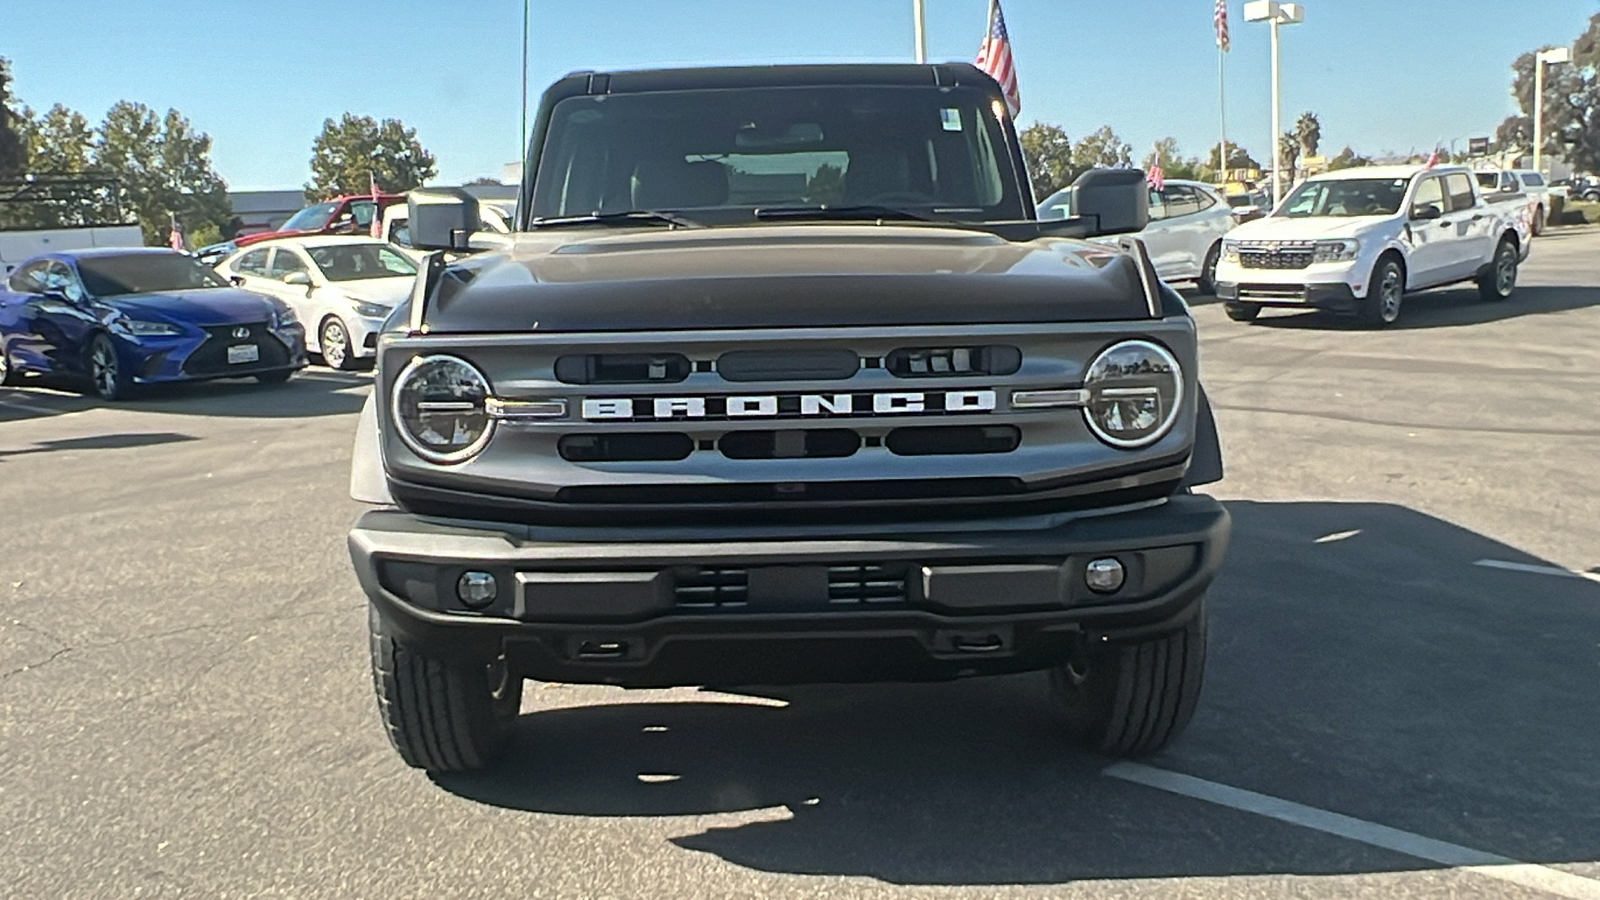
(355, 262)
(722, 154)
(145, 273)
(312, 218)
(1345, 198)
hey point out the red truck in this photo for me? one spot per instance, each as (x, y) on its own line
(342, 215)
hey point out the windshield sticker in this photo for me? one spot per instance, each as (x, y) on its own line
(951, 118)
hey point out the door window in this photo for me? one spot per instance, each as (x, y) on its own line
(59, 278)
(1533, 179)
(1158, 206)
(253, 263)
(1180, 200)
(1460, 189)
(30, 278)
(285, 262)
(1429, 193)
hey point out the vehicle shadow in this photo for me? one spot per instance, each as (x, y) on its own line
(1360, 663)
(310, 393)
(103, 442)
(1450, 307)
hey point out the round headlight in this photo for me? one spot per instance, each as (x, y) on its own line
(1135, 391)
(439, 408)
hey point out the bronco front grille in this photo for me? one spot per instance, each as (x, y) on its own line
(866, 584)
(712, 588)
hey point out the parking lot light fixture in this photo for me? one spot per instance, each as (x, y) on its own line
(1275, 13)
(1540, 60)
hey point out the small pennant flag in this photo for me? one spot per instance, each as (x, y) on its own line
(377, 220)
(175, 238)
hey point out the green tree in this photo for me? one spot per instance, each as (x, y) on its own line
(60, 141)
(1166, 154)
(1048, 154)
(352, 152)
(1347, 159)
(165, 167)
(1102, 149)
(1289, 149)
(1238, 158)
(1308, 133)
(13, 155)
(1571, 103)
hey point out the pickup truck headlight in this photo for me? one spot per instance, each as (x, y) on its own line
(438, 405)
(1335, 251)
(1135, 389)
(1230, 251)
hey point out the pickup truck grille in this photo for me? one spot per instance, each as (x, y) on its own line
(1275, 254)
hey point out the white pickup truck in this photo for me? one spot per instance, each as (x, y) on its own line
(1356, 240)
(1522, 185)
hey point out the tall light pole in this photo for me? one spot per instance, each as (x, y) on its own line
(919, 20)
(1553, 55)
(1275, 13)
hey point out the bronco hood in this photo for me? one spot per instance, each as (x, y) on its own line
(822, 275)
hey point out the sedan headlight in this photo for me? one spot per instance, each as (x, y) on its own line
(142, 328)
(283, 314)
(371, 310)
(1230, 251)
(1135, 390)
(1335, 251)
(439, 409)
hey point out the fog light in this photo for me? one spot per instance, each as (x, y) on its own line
(478, 589)
(1104, 576)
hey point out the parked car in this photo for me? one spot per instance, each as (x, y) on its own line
(1356, 240)
(350, 215)
(1500, 185)
(211, 254)
(342, 288)
(1184, 237)
(118, 318)
(1249, 206)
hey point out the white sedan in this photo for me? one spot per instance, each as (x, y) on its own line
(342, 288)
(1184, 237)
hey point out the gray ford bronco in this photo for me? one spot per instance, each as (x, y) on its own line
(779, 380)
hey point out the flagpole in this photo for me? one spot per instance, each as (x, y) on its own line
(524, 149)
(919, 22)
(1222, 110)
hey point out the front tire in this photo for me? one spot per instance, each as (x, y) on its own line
(1500, 280)
(1388, 286)
(107, 378)
(334, 342)
(1207, 282)
(1133, 698)
(1242, 312)
(1537, 225)
(442, 716)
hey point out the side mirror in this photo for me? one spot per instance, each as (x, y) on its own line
(237, 281)
(442, 219)
(1425, 211)
(299, 279)
(1111, 201)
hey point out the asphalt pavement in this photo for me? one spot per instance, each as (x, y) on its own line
(1403, 697)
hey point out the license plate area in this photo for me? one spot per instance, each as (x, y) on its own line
(243, 353)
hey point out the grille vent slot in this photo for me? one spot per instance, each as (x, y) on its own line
(819, 443)
(623, 368)
(712, 588)
(788, 365)
(934, 362)
(866, 584)
(633, 447)
(953, 440)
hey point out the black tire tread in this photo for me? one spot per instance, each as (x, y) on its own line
(1144, 693)
(1488, 287)
(439, 716)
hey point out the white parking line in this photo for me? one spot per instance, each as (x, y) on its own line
(1543, 878)
(1536, 570)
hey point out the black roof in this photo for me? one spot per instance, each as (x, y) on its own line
(701, 78)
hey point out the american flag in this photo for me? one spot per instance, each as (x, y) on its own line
(1154, 177)
(994, 57)
(175, 238)
(1433, 159)
(1220, 19)
(377, 221)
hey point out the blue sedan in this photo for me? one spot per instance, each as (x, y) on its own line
(117, 318)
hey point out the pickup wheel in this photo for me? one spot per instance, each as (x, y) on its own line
(441, 716)
(1207, 282)
(1133, 698)
(1242, 312)
(1500, 279)
(1388, 286)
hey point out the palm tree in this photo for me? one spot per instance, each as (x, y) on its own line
(1308, 133)
(1289, 149)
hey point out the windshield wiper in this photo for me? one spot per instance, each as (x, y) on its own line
(843, 213)
(631, 217)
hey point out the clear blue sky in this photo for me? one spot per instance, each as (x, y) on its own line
(260, 77)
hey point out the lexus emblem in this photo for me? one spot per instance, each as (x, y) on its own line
(241, 332)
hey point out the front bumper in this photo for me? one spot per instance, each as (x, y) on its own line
(201, 357)
(1333, 297)
(721, 609)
